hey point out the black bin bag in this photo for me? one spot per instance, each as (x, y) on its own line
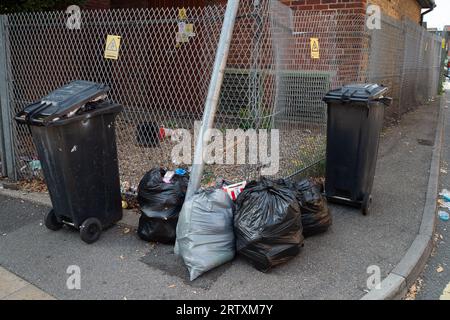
(267, 224)
(316, 216)
(160, 205)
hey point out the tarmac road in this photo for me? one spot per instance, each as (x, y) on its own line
(433, 281)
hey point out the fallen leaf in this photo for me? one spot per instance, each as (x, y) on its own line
(439, 269)
(126, 230)
(122, 257)
(172, 286)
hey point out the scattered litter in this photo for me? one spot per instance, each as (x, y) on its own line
(35, 165)
(444, 171)
(180, 172)
(4, 234)
(126, 230)
(235, 189)
(444, 216)
(125, 298)
(168, 176)
(124, 204)
(414, 290)
(122, 257)
(172, 286)
(443, 204)
(445, 194)
(440, 269)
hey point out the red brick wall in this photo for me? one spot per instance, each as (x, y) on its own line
(115, 4)
(97, 4)
(355, 6)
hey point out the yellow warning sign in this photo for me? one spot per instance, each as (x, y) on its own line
(182, 14)
(443, 44)
(189, 29)
(112, 47)
(315, 49)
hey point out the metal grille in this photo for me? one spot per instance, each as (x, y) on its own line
(271, 80)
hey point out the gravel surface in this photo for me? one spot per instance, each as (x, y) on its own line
(298, 149)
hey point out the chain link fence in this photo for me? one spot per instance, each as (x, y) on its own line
(407, 58)
(275, 78)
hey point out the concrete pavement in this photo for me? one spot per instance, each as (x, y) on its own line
(14, 288)
(331, 266)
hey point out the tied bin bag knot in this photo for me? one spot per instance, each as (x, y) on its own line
(268, 224)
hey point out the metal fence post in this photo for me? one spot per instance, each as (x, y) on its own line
(212, 99)
(6, 132)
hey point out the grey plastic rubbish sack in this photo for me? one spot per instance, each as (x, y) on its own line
(205, 236)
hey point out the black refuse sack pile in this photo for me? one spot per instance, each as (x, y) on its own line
(266, 224)
(160, 204)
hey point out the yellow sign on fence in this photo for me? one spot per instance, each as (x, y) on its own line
(315, 48)
(182, 13)
(112, 47)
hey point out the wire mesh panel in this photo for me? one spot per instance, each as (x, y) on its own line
(406, 58)
(323, 50)
(386, 60)
(273, 81)
(160, 82)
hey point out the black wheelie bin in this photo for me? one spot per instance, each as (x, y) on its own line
(355, 121)
(73, 129)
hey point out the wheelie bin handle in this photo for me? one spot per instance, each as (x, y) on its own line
(385, 100)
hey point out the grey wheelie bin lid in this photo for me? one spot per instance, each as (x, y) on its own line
(358, 93)
(62, 102)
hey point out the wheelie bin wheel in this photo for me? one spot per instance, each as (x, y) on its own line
(90, 230)
(51, 222)
(366, 205)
